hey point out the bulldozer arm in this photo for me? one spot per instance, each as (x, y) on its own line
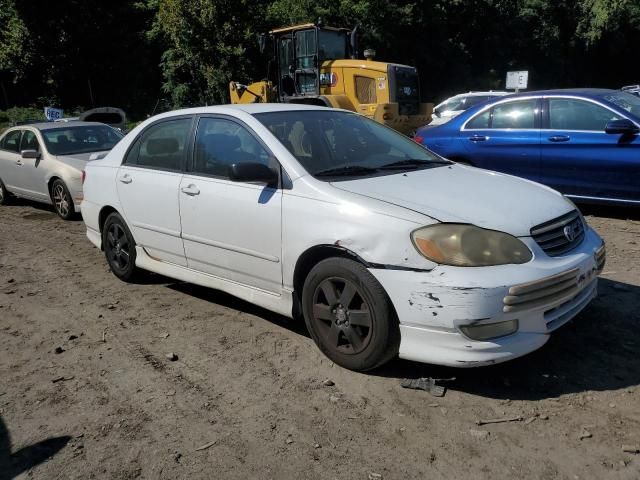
(257, 92)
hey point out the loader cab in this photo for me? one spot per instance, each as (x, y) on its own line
(299, 52)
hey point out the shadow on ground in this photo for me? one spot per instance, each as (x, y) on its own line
(599, 350)
(42, 211)
(13, 464)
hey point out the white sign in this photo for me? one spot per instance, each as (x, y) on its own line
(517, 80)
(53, 114)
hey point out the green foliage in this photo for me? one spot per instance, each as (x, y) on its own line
(148, 56)
(15, 53)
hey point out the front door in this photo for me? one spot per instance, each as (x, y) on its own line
(506, 138)
(580, 159)
(34, 169)
(230, 229)
(148, 185)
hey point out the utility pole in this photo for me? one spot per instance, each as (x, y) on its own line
(93, 104)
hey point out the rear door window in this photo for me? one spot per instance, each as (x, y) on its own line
(162, 146)
(11, 141)
(514, 115)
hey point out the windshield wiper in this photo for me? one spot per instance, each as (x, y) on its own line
(345, 171)
(413, 162)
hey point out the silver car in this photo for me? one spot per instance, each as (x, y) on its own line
(44, 161)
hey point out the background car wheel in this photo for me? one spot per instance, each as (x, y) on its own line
(4, 194)
(62, 200)
(119, 248)
(349, 315)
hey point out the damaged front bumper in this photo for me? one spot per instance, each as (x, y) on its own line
(542, 295)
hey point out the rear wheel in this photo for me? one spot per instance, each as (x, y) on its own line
(119, 248)
(4, 194)
(62, 201)
(349, 315)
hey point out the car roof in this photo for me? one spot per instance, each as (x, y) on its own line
(250, 108)
(51, 125)
(585, 92)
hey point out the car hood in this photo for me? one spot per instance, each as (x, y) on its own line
(79, 160)
(460, 194)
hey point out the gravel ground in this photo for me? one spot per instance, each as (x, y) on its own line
(87, 391)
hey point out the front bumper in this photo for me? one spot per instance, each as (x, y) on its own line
(542, 295)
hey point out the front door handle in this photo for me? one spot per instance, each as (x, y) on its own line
(559, 138)
(479, 138)
(19, 163)
(126, 178)
(190, 190)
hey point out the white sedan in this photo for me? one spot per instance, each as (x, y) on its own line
(44, 161)
(382, 247)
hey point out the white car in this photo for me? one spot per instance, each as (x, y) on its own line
(445, 111)
(383, 247)
(44, 161)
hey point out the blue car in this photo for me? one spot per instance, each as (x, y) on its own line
(583, 142)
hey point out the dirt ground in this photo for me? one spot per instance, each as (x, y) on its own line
(86, 389)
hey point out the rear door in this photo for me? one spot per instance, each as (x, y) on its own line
(231, 229)
(11, 161)
(505, 138)
(579, 159)
(148, 185)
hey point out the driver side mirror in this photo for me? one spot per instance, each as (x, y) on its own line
(621, 127)
(252, 172)
(30, 154)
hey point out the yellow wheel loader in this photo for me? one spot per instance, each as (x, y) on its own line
(317, 65)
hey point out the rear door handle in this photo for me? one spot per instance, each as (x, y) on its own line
(126, 178)
(479, 138)
(559, 138)
(191, 190)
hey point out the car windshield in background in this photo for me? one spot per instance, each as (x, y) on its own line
(80, 139)
(626, 101)
(456, 104)
(338, 145)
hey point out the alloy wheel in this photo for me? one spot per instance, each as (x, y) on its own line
(342, 316)
(61, 199)
(118, 247)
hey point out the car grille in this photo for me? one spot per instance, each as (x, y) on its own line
(546, 292)
(601, 257)
(560, 235)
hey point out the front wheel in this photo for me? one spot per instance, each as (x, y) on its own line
(62, 201)
(119, 248)
(349, 315)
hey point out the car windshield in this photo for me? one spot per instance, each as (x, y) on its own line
(626, 101)
(331, 144)
(80, 139)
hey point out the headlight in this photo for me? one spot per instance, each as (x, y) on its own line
(468, 246)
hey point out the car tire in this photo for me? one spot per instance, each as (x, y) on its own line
(349, 315)
(5, 196)
(62, 201)
(119, 248)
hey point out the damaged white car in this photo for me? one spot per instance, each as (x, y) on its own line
(383, 247)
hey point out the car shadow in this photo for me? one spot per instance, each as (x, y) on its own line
(608, 211)
(44, 211)
(224, 299)
(13, 464)
(598, 350)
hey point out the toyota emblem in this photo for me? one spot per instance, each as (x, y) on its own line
(569, 233)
